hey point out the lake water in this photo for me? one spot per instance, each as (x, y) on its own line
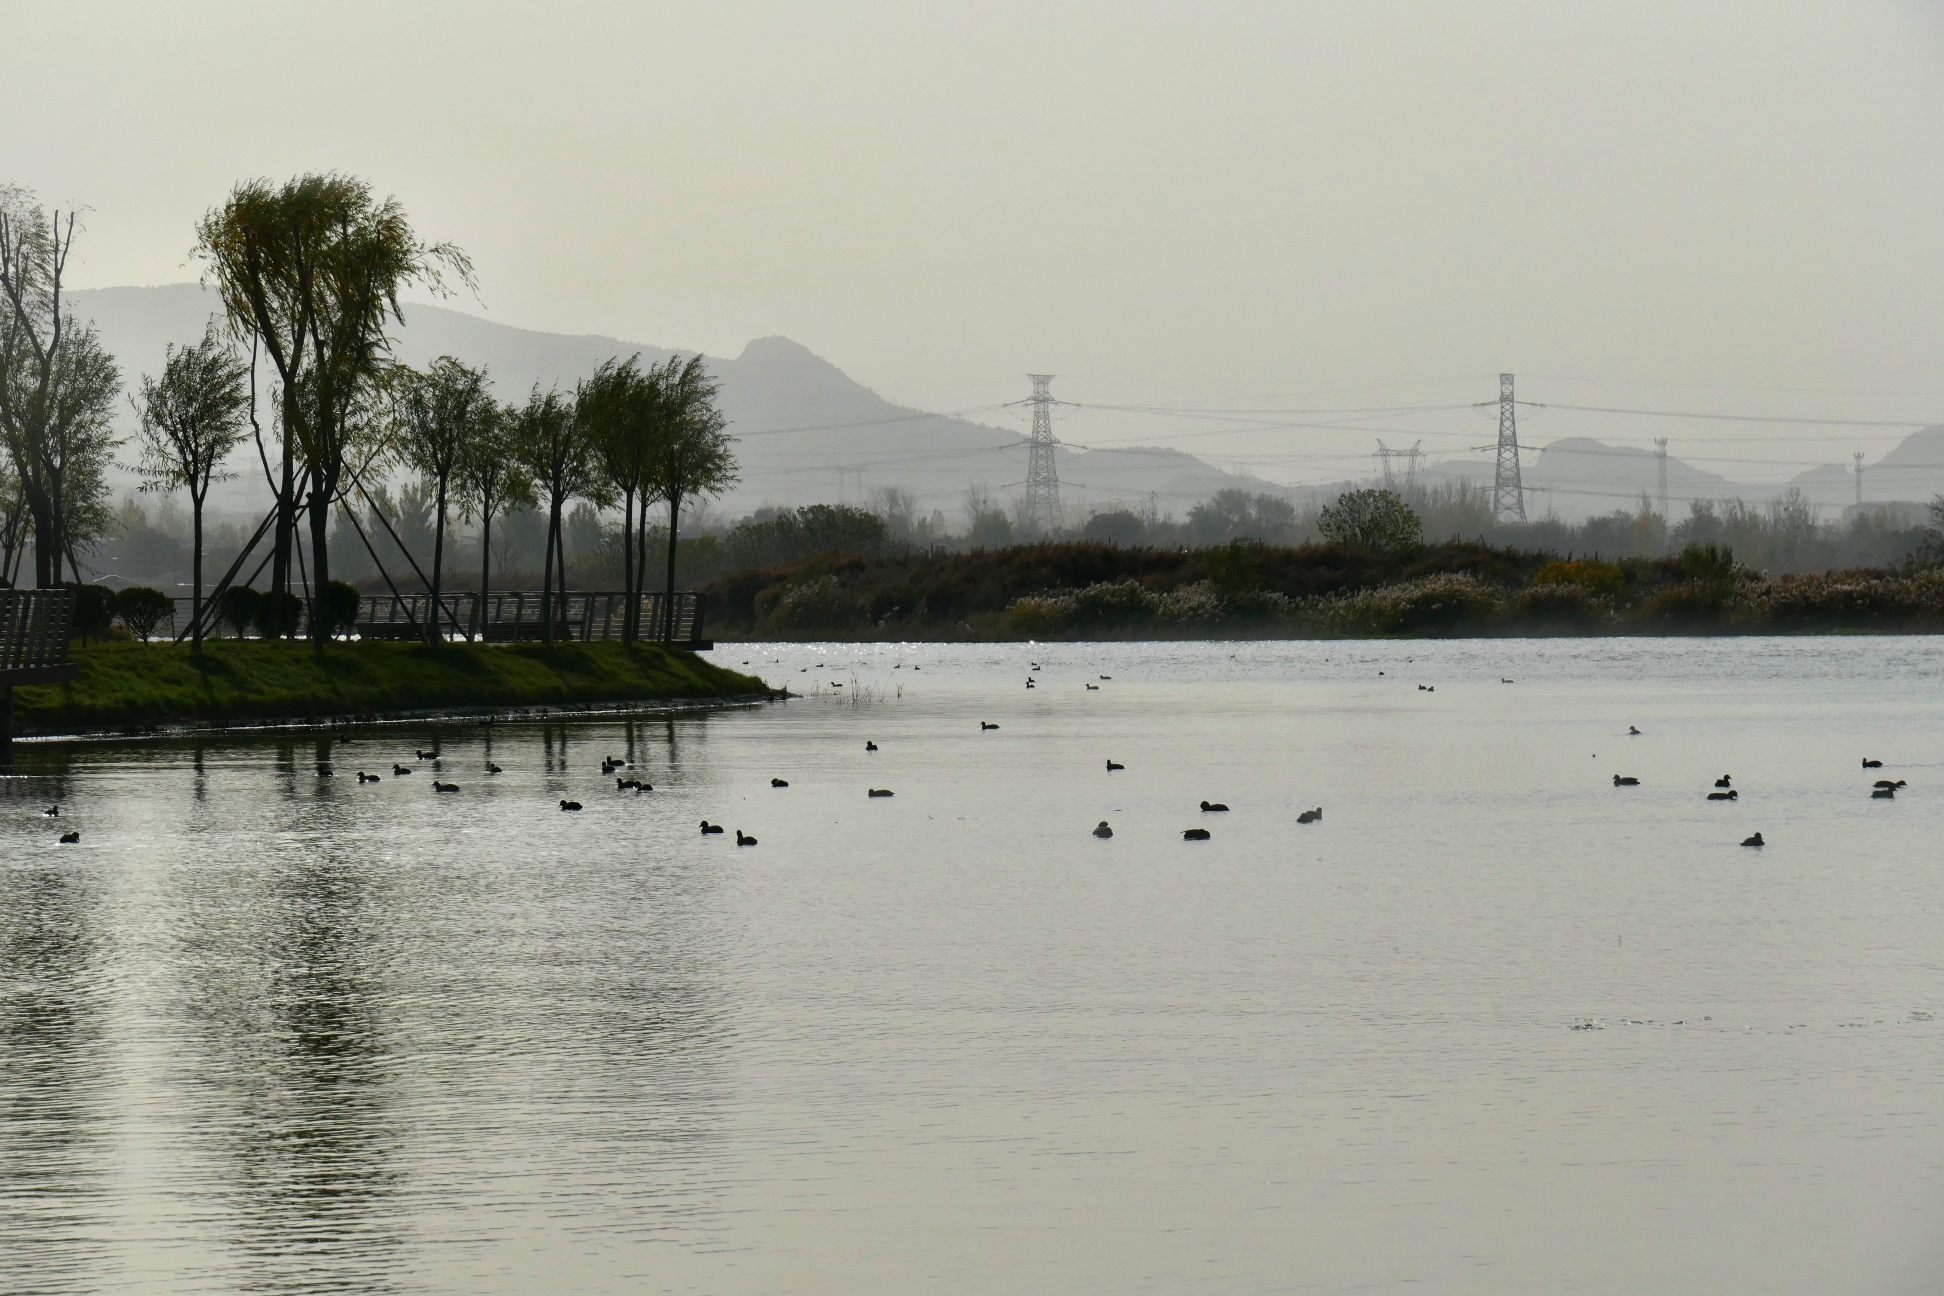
(266, 1032)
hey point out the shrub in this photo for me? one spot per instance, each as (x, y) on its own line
(1708, 564)
(1561, 605)
(1424, 606)
(94, 611)
(240, 607)
(341, 601)
(1116, 528)
(142, 609)
(1232, 567)
(279, 615)
(1370, 519)
(1587, 573)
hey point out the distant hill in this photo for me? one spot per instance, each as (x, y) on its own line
(805, 431)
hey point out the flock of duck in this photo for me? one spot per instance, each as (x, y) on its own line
(1881, 790)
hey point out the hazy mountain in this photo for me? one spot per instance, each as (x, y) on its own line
(805, 432)
(1912, 471)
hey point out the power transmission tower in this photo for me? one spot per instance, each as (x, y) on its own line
(1508, 492)
(1660, 452)
(1042, 475)
(1385, 454)
(1859, 478)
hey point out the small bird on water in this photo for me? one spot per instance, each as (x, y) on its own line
(870, 746)
(743, 839)
(1631, 730)
(708, 828)
(52, 812)
(1755, 840)
(399, 771)
(1730, 795)
(492, 768)
(1102, 830)
(570, 805)
(879, 792)
(1722, 781)
(70, 839)
(1114, 765)
(777, 783)
(983, 725)
(1310, 816)
(1195, 834)
(1214, 807)
(1625, 781)
(444, 787)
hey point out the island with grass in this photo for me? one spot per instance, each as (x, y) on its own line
(123, 686)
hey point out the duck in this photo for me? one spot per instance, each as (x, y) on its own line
(52, 812)
(870, 746)
(744, 839)
(71, 838)
(427, 755)
(708, 828)
(1871, 764)
(1106, 677)
(1722, 781)
(622, 785)
(367, 778)
(1114, 765)
(1887, 783)
(1730, 795)
(1036, 665)
(444, 787)
(1195, 834)
(570, 805)
(1310, 816)
(1214, 807)
(779, 783)
(1093, 688)
(878, 792)
(1029, 683)
(1102, 831)
(1884, 793)
(1625, 780)
(1754, 840)
(984, 725)
(399, 771)
(492, 768)
(643, 787)
(1503, 680)
(1633, 731)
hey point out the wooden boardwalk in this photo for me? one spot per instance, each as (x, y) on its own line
(34, 628)
(515, 616)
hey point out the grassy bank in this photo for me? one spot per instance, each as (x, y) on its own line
(130, 685)
(1457, 589)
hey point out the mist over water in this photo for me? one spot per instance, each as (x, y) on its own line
(262, 1031)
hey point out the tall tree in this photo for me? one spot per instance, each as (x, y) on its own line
(441, 413)
(692, 457)
(551, 444)
(313, 270)
(492, 480)
(191, 419)
(57, 385)
(621, 407)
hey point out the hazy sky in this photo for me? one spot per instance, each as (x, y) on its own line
(1235, 205)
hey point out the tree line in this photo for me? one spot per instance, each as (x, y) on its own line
(310, 274)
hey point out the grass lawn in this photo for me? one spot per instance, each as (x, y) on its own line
(132, 685)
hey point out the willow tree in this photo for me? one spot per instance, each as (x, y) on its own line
(191, 418)
(491, 480)
(441, 412)
(57, 386)
(551, 444)
(691, 455)
(621, 407)
(312, 271)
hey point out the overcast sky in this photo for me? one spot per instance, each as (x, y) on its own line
(1733, 206)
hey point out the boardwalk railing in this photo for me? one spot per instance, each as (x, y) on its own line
(516, 616)
(34, 627)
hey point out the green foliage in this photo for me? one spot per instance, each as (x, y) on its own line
(1118, 527)
(1587, 573)
(990, 529)
(1232, 567)
(1236, 514)
(122, 685)
(341, 601)
(94, 610)
(142, 609)
(799, 533)
(241, 604)
(278, 615)
(1709, 566)
(1370, 519)
(193, 416)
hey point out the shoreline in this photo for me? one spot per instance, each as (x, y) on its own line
(132, 690)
